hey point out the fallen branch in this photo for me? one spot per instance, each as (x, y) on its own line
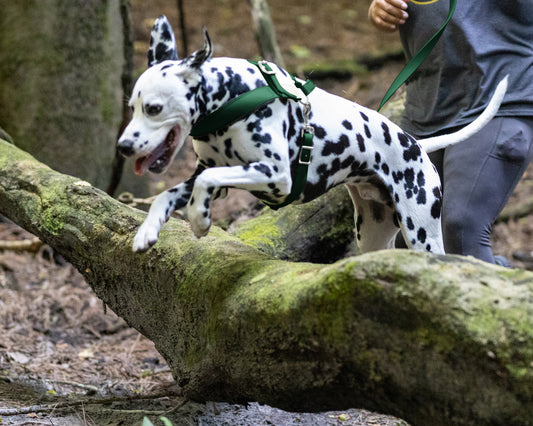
(44, 408)
(513, 212)
(431, 339)
(32, 245)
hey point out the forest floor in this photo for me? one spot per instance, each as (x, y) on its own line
(64, 360)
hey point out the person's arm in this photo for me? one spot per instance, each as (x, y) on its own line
(387, 15)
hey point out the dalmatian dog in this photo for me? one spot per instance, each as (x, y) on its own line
(389, 176)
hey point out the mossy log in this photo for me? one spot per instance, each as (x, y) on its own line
(432, 339)
(320, 231)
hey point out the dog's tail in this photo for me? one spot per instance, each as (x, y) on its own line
(440, 142)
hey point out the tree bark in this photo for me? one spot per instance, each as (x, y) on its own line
(432, 339)
(265, 32)
(61, 65)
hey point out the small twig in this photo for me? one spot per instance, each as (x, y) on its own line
(518, 211)
(70, 404)
(91, 388)
(31, 245)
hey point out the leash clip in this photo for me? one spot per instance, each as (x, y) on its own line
(308, 133)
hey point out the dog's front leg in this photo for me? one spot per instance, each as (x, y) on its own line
(160, 211)
(258, 176)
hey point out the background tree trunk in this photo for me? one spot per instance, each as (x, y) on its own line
(61, 65)
(265, 32)
(432, 339)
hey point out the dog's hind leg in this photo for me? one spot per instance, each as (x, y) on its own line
(419, 220)
(375, 224)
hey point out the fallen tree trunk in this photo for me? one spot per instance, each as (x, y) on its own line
(432, 339)
(320, 231)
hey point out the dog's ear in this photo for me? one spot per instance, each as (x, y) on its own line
(162, 42)
(200, 56)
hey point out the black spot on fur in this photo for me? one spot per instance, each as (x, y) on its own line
(409, 175)
(421, 196)
(412, 153)
(437, 204)
(264, 139)
(364, 116)
(420, 178)
(347, 125)
(300, 115)
(404, 140)
(386, 133)
(397, 176)
(361, 142)
(421, 235)
(320, 132)
(228, 145)
(336, 148)
(263, 168)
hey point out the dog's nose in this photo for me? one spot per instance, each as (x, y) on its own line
(125, 147)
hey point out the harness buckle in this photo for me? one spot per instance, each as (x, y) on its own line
(304, 157)
(263, 67)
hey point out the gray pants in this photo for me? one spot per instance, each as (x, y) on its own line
(478, 177)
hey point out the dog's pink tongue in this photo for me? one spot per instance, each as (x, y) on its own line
(141, 165)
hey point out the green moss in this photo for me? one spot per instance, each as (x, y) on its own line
(262, 233)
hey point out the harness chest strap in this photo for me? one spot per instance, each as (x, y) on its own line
(247, 103)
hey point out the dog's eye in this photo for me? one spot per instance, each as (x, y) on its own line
(153, 109)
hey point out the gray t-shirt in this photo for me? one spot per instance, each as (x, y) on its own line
(484, 41)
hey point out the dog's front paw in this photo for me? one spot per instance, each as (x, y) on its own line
(145, 237)
(200, 225)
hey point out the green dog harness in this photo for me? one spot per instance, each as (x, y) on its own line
(248, 102)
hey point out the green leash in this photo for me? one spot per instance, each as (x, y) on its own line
(419, 57)
(247, 103)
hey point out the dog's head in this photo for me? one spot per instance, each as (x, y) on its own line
(162, 101)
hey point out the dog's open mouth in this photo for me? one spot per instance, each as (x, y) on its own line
(159, 158)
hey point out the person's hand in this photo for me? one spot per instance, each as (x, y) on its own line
(387, 15)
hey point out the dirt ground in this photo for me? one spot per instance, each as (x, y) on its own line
(64, 360)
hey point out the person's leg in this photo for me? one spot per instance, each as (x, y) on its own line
(479, 176)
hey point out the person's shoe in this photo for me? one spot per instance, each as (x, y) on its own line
(502, 261)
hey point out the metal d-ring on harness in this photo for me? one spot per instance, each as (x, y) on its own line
(250, 101)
